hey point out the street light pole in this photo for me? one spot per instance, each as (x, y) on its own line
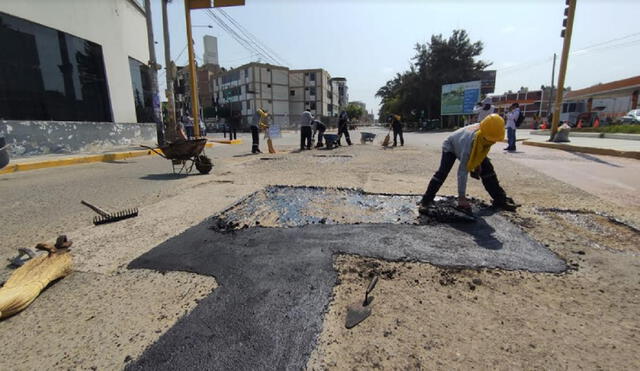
(564, 59)
(154, 74)
(171, 131)
(192, 71)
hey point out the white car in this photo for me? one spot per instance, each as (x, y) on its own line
(633, 117)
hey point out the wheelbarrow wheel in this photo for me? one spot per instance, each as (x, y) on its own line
(203, 164)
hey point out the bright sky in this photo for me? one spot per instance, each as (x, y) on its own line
(369, 41)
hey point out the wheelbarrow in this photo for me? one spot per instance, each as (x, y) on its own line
(331, 140)
(185, 154)
(366, 137)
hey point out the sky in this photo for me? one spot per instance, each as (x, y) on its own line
(369, 41)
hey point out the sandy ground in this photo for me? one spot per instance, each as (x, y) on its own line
(586, 318)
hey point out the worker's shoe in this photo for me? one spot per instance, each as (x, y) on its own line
(508, 204)
(423, 209)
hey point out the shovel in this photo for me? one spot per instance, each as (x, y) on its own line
(360, 310)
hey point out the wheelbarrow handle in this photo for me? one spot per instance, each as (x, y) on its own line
(95, 208)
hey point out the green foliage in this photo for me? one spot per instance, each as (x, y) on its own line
(354, 111)
(441, 61)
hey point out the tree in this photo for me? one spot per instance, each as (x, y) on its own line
(354, 111)
(441, 61)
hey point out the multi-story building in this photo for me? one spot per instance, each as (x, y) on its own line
(251, 86)
(75, 61)
(311, 89)
(342, 90)
(532, 103)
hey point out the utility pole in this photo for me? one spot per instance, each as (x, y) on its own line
(171, 103)
(569, 12)
(154, 74)
(195, 110)
(553, 76)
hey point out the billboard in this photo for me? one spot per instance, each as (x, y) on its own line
(460, 98)
(488, 78)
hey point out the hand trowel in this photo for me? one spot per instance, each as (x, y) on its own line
(360, 310)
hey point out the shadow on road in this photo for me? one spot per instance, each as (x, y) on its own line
(593, 158)
(164, 176)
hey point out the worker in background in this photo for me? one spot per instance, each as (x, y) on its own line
(343, 127)
(320, 128)
(234, 124)
(484, 109)
(255, 132)
(264, 125)
(470, 145)
(513, 121)
(305, 130)
(396, 125)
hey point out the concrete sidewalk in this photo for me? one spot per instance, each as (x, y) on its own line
(55, 160)
(598, 146)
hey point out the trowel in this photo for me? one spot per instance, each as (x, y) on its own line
(360, 310)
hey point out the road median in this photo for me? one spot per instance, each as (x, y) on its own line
(583, 149)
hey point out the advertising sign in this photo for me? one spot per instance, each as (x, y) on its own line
(460, 98)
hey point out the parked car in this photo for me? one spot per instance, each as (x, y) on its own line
(633, 117)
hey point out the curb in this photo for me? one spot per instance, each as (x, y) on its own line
(226, 141)
(67, 161)
(591, 150)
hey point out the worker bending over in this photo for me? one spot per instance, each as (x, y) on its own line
(470, 145)
(320, 128)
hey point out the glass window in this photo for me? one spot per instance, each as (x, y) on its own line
(312, 91)
(231, 76)
(312, 105)
(246, 73)
(47, 74)
(292, 93)
(312, 76)
(142, 92)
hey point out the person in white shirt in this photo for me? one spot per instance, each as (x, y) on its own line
(484, 109)
(512, 118)
(305, 130)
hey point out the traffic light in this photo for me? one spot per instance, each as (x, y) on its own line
(564, 20)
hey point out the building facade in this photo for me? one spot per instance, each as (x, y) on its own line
(284, 93)
(610, 100)
(252, 86)
(74, 60)
(342, 91)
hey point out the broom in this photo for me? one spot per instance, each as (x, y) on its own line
(26, 283)
(387, 139)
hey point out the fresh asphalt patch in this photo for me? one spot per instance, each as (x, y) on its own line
(275, 283)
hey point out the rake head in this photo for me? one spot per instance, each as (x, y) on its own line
(114, 217)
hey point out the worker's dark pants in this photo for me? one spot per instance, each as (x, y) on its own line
(343, 129)
(255, 135)
(397, 130)
(320, 137)
(487, 174)
(233, 132)
(511, 138)
(189, 131)
(305, 137)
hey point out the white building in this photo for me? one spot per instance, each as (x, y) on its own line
(210, 50)
(74, 60)
(312, 89)
(255, 85)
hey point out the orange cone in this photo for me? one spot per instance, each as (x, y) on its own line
(596, 123)
(543, 126)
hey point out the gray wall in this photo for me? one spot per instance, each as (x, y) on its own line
(30, 138)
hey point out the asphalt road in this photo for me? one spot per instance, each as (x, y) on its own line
(38, 205)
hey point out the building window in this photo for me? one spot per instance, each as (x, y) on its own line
(47, 74)
(230, 77)
(246, 73)
(312, 76)
(292, 93)
(249, 105)
(269, 101)
(231, 92)
(312, 105)
(312, 91)
(142, 92)
(268, 69)
(268, 85)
